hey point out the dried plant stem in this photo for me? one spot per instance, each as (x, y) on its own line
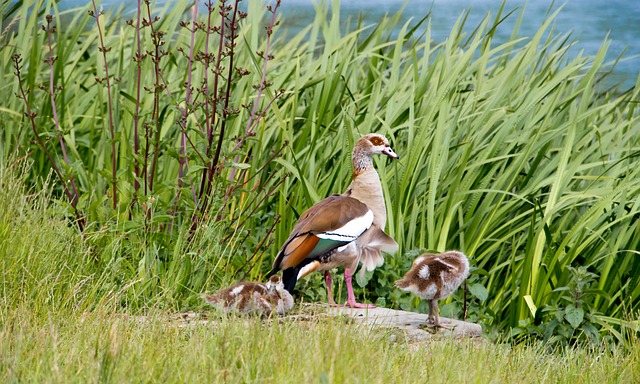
(207, 175)
(136, 117)
(52, 89)
(208, 116)
(258, 171)
(259, 251)
(114, 154)
(257, 206)
(225, 49)
(257, 114)
(188, 106)
(156, 37)
(32, 119)
(17, 60)
(254, 117)
(225, 110)
(207, 61)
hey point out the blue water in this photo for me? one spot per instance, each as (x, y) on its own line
(588, 21)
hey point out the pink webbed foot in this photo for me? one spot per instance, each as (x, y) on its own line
(354, 304)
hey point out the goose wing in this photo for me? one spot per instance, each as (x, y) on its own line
(327, 225)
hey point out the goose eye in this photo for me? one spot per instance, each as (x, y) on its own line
(376, 141)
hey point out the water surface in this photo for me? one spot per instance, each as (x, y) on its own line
(588, 21)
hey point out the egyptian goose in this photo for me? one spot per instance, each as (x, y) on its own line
(435, 276)
(253, 298)
(342, 230)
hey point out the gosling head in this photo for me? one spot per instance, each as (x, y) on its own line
(275, 284)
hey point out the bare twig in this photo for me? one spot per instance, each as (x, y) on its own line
(226, 110)
(260, 249)
(17, 65)
(188, 102)
(158, 86)
(226, 48)
(114, 155)
(255, 116)
(138, 57)
(52, 92)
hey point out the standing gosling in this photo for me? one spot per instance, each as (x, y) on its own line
(435, 276)
(253, 298)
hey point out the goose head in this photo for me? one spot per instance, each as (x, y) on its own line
(374, 144)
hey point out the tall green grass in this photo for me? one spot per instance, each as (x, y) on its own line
(515, 153)
(104, 348)
(509, 152)
(42, 258)
(62, 320)
(143, 173)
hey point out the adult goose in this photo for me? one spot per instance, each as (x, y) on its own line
(342, 230)
(435, 276)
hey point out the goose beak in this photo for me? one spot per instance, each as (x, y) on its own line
(389, 152)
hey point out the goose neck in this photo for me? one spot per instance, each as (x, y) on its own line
(361, 161)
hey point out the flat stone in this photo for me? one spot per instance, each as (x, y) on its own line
(410, 322)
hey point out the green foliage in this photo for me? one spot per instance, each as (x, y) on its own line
(509, 153)
(151, 127)
(61, 321)
(514, 153)
(571, 319)
(42, 259)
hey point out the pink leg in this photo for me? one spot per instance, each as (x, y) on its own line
(328, 280)
(351, 297)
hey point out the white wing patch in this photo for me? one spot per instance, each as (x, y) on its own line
(351, 230)
(418, 260)
(236, 291)
(340, 249)
(445, 263)
(424, 272)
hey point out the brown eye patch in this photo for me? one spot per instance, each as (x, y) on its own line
(376, 141)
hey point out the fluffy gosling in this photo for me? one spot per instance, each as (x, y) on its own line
(435, 276)
(253, 298)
